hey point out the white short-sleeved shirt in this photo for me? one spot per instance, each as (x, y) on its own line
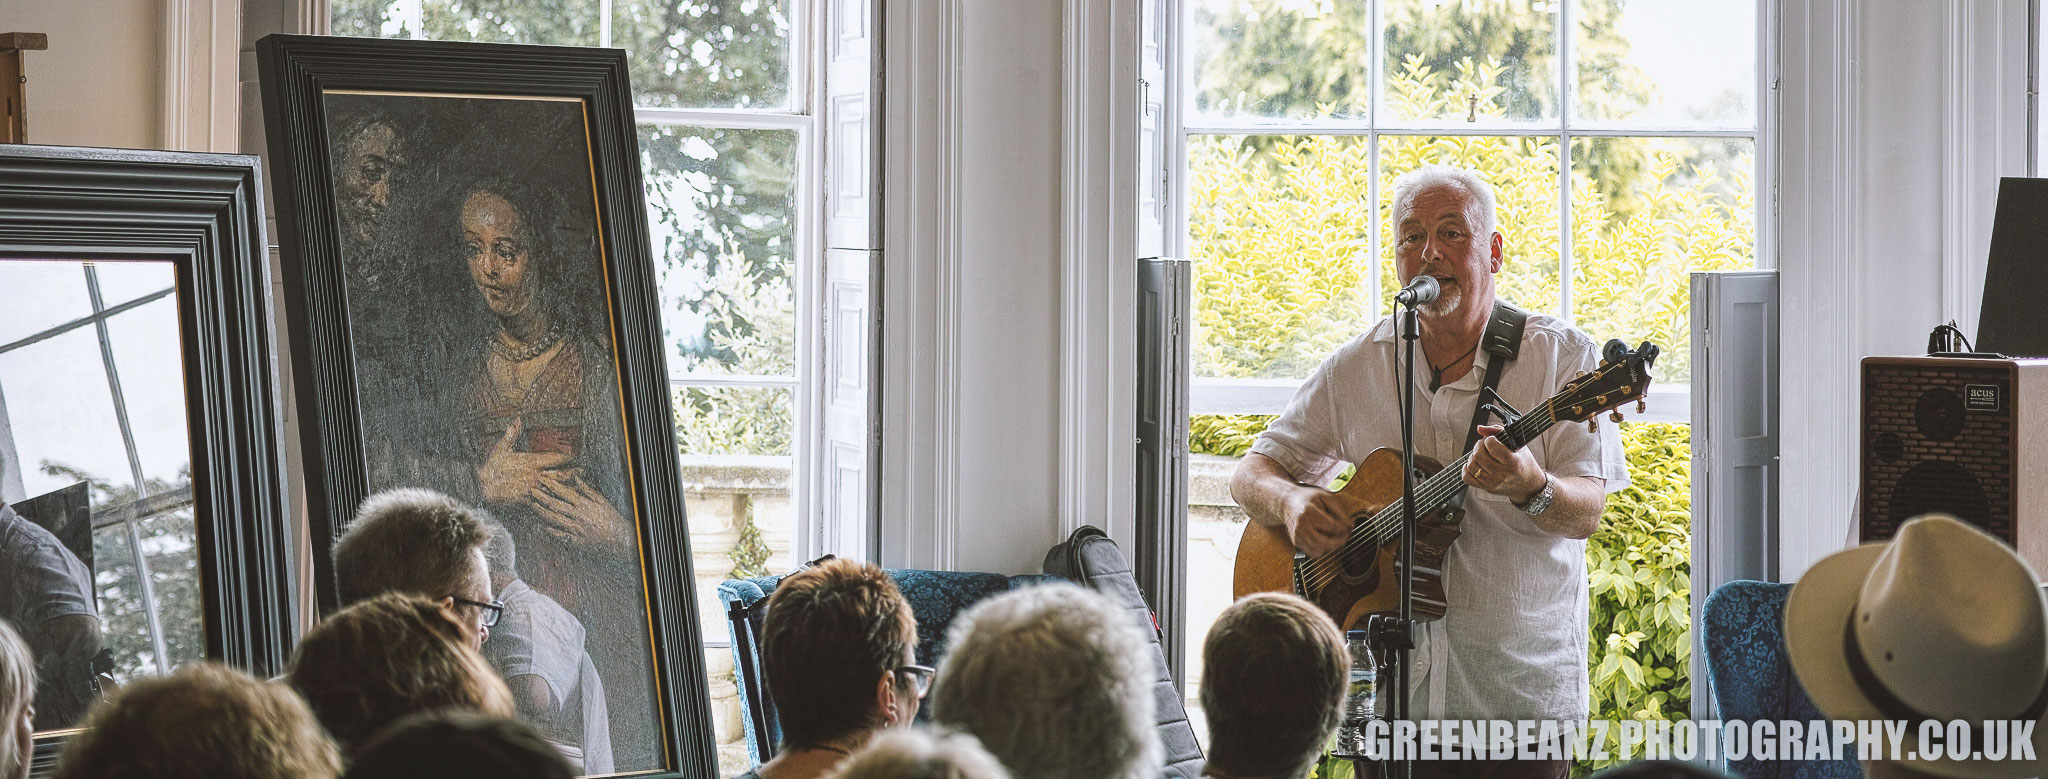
(1512, 644)
(537, 636)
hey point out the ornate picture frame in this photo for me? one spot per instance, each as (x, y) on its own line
(197, 217)
(470, 297)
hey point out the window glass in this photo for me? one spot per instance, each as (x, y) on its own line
(698, 54)
(60, 297)
(1490, 62)
(1294, 59)
(722, 211)
(551, 22)
(1664, 63)
(1647, 212)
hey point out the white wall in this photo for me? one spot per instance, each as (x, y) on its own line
(1897, 118)
(990, 334)
(100, 82)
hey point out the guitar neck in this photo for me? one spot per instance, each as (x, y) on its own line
(1438, 490)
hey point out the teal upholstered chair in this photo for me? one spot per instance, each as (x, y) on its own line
(1743, 630)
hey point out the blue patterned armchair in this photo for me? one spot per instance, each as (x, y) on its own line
(1742, 626)
(935, 598)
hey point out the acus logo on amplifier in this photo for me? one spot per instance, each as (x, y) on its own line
(1980, 397)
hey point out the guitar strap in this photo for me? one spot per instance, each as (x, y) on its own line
(1502, 342)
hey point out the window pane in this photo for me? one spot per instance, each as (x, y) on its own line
(699, 54)
(1647, 212)
(722, 209)
(124, 622)
(121, 282)
(60, 297)
(1283, 272)
(171, 542)
(1440, 56)
(374, 18)
(61, 414)
(1280, 58)
(736, 488)
(1523, 172)
(150, 357)
(1665, 63)
(552, 22)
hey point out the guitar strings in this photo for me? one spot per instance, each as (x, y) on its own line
(1327, 568)
(1321, 571)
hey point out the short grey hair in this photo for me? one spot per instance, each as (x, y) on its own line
(1056, 681)
(407, 540)
(915, 754)
(1479, 210)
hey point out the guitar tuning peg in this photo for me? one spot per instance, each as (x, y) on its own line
(1592, 424)
(1615, 415)
(1642, 406)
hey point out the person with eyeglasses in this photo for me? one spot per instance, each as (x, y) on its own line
(420, 542)
(539, 647)
(838, 649)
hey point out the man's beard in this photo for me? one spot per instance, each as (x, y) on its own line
(1447, 302)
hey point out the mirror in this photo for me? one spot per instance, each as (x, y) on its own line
(97, 535)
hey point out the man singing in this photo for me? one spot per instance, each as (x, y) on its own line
(1513, 643)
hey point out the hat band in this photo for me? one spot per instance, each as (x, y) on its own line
(1892, 707)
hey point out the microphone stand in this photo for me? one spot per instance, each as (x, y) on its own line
(1395, 635)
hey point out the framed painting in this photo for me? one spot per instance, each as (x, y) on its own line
(142, 521)
(471, 304)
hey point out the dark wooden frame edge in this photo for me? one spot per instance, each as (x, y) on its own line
(202, 212)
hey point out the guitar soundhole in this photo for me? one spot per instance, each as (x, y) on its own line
(1357, 563)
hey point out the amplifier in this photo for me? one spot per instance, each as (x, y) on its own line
(1962, 436)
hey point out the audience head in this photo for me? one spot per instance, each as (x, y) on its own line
(1661, 769)
(1274, 671)
(387, 657)
(1943, 622)
(916, 754)
(17, 703)
(835, 646)
(205, 720)
(1056, 682)
(419, 542)
(459, 745)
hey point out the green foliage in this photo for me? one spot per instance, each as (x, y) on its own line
(1638, 569)
(1230, 436)
(750, 552)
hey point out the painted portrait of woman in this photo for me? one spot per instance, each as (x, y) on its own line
(487, 371)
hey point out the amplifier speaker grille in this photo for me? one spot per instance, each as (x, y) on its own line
(1925, 448)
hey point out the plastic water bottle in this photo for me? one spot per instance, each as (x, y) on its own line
(1359, 698)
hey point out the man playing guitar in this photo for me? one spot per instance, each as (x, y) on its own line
(1512, 644)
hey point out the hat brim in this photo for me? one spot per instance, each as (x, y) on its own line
(1816, 613)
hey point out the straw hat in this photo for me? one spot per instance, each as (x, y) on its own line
(1944, 622)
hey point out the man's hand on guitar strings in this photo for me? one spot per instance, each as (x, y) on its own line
(1512, 474)
(1316, 521)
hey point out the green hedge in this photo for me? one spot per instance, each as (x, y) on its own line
(1638, 568)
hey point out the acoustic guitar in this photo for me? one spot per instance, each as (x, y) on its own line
(1361, 577)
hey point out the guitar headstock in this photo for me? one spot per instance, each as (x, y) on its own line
(1623, 376)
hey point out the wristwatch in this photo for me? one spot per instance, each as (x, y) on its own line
(1541, 501)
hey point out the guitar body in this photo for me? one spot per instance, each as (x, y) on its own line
(1348, 587)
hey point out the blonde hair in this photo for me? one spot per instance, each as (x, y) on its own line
(392, 655)
(916, 754)
(17, 690)
(204, 720)
(1274, 671)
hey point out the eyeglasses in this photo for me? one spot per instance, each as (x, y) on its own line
(920, 678)
(491, 611)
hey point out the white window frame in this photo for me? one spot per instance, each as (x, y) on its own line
(1667, 402)
(811, 526)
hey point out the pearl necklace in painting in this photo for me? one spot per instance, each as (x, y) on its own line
(531, 350)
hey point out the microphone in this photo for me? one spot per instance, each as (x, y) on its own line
(1421, 290)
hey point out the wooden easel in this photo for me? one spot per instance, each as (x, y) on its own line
(14, 82)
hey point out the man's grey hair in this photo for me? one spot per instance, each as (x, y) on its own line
(1479, 209)
(903, 753)
(408, 540)
(500, 552)
(1056, 682)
